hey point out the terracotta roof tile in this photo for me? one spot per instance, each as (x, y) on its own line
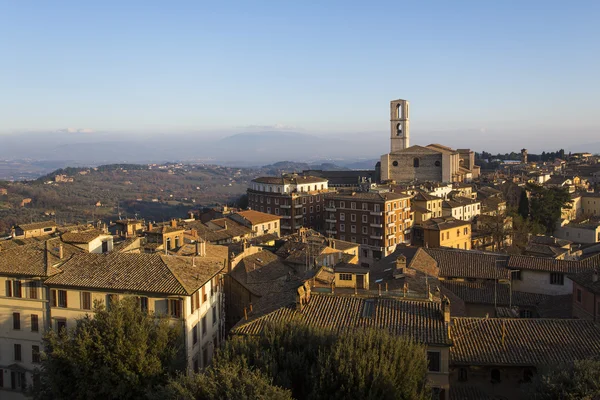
(522, 342)
(420, 320)
(149, 273)
(469, 264)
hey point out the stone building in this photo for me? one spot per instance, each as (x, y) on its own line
(298, 199)
(437, 163)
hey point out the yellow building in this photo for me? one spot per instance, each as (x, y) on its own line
(447, 232)
(428, 202)
(261, 223)
(187, 289)
(23, 307)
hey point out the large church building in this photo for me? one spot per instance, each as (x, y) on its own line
(437, 163)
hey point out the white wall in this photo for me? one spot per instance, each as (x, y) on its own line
(539, 282)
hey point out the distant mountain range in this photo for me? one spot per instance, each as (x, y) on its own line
(243, 149)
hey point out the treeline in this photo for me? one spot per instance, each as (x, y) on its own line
(545, 156)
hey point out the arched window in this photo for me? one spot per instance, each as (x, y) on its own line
(399, 111)
(416, 163)
(399, 130)
(495, 375)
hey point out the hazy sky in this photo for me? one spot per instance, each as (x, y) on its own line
(471, 69)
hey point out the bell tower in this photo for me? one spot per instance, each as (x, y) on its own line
(399, 126)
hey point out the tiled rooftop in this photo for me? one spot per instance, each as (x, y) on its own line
(149, 273)
(522, 342)
(419, 320)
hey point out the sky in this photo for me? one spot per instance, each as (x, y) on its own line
(493, 74)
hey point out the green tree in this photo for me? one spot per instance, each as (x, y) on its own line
(320, 364)
(574, 381)
(524, 205)
(121, 353)
(227, 380)
(546, 205)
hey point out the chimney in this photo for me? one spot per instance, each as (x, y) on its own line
(173, 223)
(60, 251)
(149, 226)
(225, 223)
(197, 248)
(400, 267)
(446, 309)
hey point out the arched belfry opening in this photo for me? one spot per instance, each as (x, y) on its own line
(399, 111)
(399, 129)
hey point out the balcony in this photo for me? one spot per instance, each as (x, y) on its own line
(390, 224)
(331, 221)
(331, 232)
(330, 209)
(284, 226)
(378, 237)
(285, 206)
(406, 208)
(407, 220)
(298, 216)
(376, 225)
(376, 213)
(298, 206)
(286, 216)
(406, 232)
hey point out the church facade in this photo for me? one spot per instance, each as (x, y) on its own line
(434, 163)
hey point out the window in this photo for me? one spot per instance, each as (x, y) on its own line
(557, 278)
(458, 232)
(214, 315)
(53, 297)
(86, 300)
(16, 320)
(143, 302)
(579, 295)
(466, 231)
(17, 288)
(303, 210)
(516, 275)
(175, 308)
(416, 163)
(364, 230)
(352, 228)
(204, 325)
(318, 208)
(462, 375)
(353, 205)
(205, 357)
(62, 298)
(17, 380)
(345, 277)
(33, 290)
(196, 365)
(35, 354)
(525, 314)
(35, 326)
(196, 301)
(342, 204)
(434, 361)
(342, 216)
(195, 334)
(353, 217)
(342, 227)
(204, 296)
(61, 324)
(311, 209)
(365, 219)
(17, 352)
(8, 289)
(110, 300)
(495, 375)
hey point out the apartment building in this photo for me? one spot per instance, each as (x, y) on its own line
(260, 223)
(187, 289)
(24, 313)
(298, 199)
(378, 221)
(427, 206)
(445, 232)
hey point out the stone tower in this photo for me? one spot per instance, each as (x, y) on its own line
(523, 156)
(399, 126)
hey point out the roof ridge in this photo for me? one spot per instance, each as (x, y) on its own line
(162, 259)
